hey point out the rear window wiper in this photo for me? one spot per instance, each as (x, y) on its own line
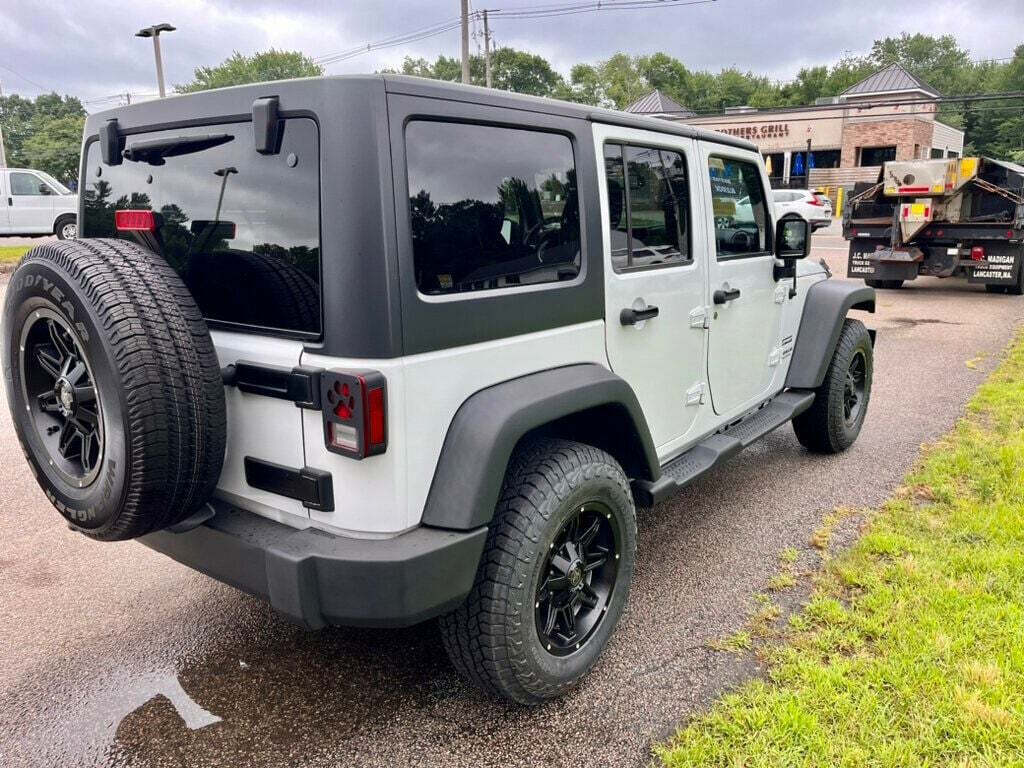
(153, 151)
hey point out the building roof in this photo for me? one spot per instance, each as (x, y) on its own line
(892, 79)
(657, 103)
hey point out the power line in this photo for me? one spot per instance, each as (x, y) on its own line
(531, 12)
(390, 42)
(570, 9)
(42, 87)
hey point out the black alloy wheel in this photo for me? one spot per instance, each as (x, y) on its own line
(554, 577)
(834, 419)
(581, 569)
(854, 388)
(61, 397)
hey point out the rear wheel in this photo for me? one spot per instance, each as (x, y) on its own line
(834, 420)
(891, 285)
(114, 386)
(554, 577)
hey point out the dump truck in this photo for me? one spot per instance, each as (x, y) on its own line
(952, 217)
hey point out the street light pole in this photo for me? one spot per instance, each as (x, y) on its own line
(154, 32)
(808, 162)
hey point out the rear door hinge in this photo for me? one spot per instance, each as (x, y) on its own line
(699, 317)
(695, 394)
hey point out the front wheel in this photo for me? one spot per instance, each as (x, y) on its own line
(834, 420)
(554, 577)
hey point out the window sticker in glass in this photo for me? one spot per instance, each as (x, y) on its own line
(739, 208)
(490, 207)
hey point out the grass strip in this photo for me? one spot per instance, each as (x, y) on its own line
(9, 254)
(911, 649)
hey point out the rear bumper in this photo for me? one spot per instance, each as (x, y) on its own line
(316, 579)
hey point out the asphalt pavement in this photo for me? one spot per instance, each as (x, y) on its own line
(113, 654)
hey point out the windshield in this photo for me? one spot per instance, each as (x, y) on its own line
(54, 183)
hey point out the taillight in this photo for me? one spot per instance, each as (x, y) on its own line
(815, 200)
(977, 253)
(355, 412)
(135, 221)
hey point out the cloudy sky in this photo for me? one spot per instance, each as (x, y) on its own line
(87, 47)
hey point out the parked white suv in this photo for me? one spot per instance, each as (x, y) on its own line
(35, 203)
(382, 349)
(815, 208)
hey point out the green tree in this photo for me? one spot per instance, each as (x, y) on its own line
(45, 133)
(511, 70)
(55, 146)
(523, 72)
(239, 69)
(939, 61)
(615, 82)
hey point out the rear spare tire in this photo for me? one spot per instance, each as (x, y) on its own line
(114, 386)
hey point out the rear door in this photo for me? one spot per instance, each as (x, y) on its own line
(31, 200)
(746, 319)
(655, 276)
(243, 231)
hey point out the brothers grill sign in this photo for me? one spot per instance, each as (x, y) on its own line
(763, 131)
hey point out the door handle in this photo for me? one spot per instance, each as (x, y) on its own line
(634, 316)
(721, 296)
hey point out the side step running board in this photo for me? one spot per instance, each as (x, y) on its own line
(719, 447)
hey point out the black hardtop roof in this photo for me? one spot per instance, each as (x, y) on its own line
(440, 89)
(232, 102)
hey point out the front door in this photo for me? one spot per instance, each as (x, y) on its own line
(655, 276)
(746, 303)
(31, 203)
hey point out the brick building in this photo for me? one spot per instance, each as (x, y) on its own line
(850, 135)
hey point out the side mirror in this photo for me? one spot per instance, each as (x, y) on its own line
(792, 237)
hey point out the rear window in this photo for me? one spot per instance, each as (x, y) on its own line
(490, 207)
(242, 229)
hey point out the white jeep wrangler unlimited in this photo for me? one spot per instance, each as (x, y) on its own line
(381, 349)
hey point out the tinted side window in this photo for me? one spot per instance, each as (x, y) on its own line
(242, 229)
(739, 207)
(649, 207)
(490, 207)
(28, 184)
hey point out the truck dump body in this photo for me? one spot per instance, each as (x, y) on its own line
(939, 218)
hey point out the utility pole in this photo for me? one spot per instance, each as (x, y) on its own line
(154, 32)
(487, 51)
(3, 157)
(465, 41)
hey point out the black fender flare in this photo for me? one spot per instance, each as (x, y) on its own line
(488, 425)
(825, 309)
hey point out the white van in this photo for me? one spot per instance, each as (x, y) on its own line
(35, 203)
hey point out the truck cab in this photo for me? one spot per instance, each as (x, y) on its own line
(34, 203)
